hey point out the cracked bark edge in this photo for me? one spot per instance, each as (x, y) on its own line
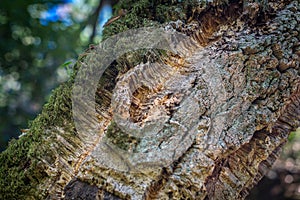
(289, 120)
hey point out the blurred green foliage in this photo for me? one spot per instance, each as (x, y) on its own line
(36, 54)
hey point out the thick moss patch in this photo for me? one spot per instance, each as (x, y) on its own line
(20, 167)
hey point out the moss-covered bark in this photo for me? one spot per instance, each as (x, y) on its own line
(255, 45)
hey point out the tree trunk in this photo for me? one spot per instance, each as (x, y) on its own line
(201, 119)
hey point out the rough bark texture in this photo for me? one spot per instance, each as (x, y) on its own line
(225, 136)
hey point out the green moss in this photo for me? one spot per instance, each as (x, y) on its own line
(20, 169)
(135, 17)
(167, 13)
(150, 13)
(122, 140)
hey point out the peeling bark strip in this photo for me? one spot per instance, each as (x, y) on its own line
(226, 169)
(228, 90)
(289, 118)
